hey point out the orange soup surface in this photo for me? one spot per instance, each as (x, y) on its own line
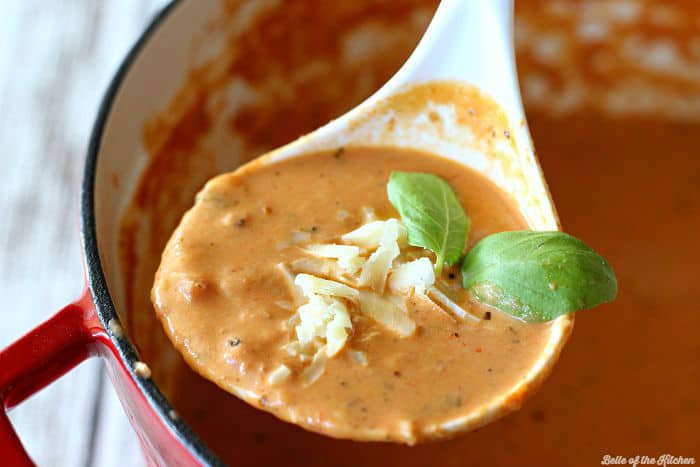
(229, 308)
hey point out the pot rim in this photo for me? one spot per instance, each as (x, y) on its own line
(96, 281)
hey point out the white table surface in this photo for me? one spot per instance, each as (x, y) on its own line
(56, 59)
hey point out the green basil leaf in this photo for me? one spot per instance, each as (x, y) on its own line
(537, 276)
(432, 214)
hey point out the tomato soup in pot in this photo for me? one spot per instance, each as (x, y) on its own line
(614, 132)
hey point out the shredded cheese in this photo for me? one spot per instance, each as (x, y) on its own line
(314, 371)
(312, 285)
(333, 250)
(442, 300)
(416, 276)
(376, 269)
(358, 356)
(386, 313)
(355, 278)
(285, 305)
(288, 278)
(347, 256)
(317, 267)
(369, 236)
(279, 374)
(336, 333)
(351, 265)
(325, 316)
(368, 214)
(299, 236)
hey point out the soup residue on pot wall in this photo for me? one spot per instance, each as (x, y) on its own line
(613, 97)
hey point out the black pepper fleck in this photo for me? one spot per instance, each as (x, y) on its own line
(339, 152)
(314, 228)
(235, 342)
(240, 222)
(397, 374)
(451, 275)
(487, 316)
(538, 415)
(456, 334)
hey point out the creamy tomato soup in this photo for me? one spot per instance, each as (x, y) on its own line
(229, 309)
(628, 381)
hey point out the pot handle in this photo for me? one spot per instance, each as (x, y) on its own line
(35, 360)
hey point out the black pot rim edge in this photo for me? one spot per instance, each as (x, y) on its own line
(95, 274)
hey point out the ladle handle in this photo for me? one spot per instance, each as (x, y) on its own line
(470, 41)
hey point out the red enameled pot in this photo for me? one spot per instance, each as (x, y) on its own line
(81, 330)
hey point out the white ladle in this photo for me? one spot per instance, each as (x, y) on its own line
(432, 104)
(468, 43)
